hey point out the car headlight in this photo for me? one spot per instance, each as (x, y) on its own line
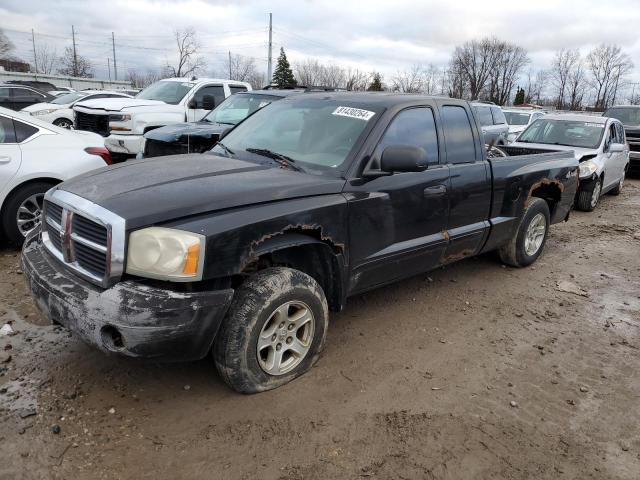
(43, 112)
(587, 168)
(166, 254)
(120, 117)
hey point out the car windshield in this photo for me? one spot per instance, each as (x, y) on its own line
(238, 107)
(315, 134)
(68, 98)
(166, 91)
(628, 116)
(571, 133)
(517, 118)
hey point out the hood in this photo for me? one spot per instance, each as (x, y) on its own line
(577, 151)
(158, 190)
(121, 104)
(43, 106)
(516, 128)
(180, 131)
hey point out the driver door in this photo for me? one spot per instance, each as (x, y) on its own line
(198, 111)
(397, 222)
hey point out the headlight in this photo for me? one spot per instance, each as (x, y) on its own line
(166, 254)
(43, 112)
(587, 169)
(120, 118)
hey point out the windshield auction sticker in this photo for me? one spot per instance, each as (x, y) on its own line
(354, 113)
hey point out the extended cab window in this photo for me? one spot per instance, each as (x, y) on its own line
(498, 116)
(23, 131)
(215, 91)
(458, 135)
(5, 93)
(7, 134)
(416, 127)
(237, 89)
(484, 115)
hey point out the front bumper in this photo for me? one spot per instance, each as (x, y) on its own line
(634, 163)
(129, 318)
(124, 144)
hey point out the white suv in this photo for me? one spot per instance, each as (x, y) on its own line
(173, 100)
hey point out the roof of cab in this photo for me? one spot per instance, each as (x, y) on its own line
(380, 99)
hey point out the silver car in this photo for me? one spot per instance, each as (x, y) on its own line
(599, 145)
(518, 119)
(492, 123)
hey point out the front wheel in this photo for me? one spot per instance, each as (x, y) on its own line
(64, 123)
(528, 241)
(589, 195)
(274, 331)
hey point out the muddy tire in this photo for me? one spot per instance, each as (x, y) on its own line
(589, 195)
(529, 239)
(63, 123)
(27, 199)
(618, 188)
(274, 331)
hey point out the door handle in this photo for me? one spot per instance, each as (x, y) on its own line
(435, 191)
(5, 159)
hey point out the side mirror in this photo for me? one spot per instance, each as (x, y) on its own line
(616, 148)
(208, 102)
(403, 158)
(192, 104)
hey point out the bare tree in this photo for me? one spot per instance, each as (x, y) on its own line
(409, 81)
(564, 63)
(6, 47)
(576, 86)
(475, 60)
(74, 65)
(239, 67)
(139, 80)
(333, 76)
(189, 60)
(309, 72)
(536, 86)
(608, 67)
(509, 60)
(46, 58)
(356, 80)
(456, 80)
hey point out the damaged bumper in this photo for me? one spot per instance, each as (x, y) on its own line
(129, 318)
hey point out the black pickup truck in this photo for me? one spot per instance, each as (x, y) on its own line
(244, 250)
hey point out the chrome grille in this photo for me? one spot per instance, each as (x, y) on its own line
(84, 236)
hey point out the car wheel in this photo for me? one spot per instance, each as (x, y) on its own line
(22, 211)
(618, 188)
(528, 241)
(64, 123)
(589, 195)
(274, 331)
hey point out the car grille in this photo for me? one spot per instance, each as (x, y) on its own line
(92, 123)
(91, 242)
(154, 148)
(633, 139)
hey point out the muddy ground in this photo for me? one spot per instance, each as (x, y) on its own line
(474, 371)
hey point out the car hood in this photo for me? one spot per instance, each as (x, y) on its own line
(516, 128)
(179, 131)
(44, 106)
(577, 151)
(182, 185)
(124, 105)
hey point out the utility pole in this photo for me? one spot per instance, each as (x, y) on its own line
(35, 60)
(75, 55)
(109, 67)
(115, 65)
(230, 65)
(269, 67)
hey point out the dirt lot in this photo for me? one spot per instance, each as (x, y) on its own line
(474, 371)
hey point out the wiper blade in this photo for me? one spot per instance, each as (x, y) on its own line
(278, 157)
(227, 150)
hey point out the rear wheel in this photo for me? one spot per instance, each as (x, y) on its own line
(63, 123)
(274, 331)
(589, 195)
(528, 241)
(22, 211)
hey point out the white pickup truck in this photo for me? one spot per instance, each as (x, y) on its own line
(124, 121)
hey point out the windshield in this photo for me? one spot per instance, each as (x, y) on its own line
(628, 116)
(238, 107)
(315, 133)
(517, 118)
(166, 91)
(68, 98)
(564, 132)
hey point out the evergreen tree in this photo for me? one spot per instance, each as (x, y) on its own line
(283, 75)
(519, 100)
(376, 83)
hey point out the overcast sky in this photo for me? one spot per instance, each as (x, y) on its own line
(381, 35)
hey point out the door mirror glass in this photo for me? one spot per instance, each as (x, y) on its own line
(616, 148)
(403, 158)
(192, 104)
(208, 102)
